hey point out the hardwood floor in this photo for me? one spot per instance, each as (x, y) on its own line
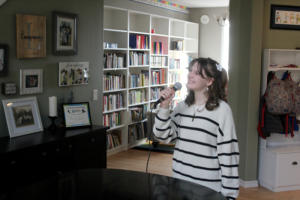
(161, 163)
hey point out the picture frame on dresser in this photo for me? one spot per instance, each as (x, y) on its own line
(285, 17)
(22, 116)
(65, 33)
(77, 115)
(3, 59)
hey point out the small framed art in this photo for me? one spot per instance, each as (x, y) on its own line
(22, 116)
(285, 17)
(65, 33)
(77, 115)
(31, 81)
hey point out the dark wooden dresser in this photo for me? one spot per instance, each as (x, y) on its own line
(42, 154)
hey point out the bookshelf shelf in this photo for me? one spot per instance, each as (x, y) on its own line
(113, 91)
(144, 54)
(115, 127)
(115, 49)
(115, 110)
(139, 49)
(138, 104)
(142, 33)
(132, 123)
(138, 66)
(162, 55)
(161, 35)
(137, 88)
(115, 30)
(159, 85)
(114, 69)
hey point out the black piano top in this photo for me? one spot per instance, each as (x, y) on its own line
(29, 140)
(110, 184)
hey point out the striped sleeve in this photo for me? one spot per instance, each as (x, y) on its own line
(228, 155)
(165, 126)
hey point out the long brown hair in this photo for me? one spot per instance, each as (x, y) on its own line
(216, 91)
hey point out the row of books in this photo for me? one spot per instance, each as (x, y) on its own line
(113, 82)
(112, 119)
(137, 41)
(113, 139)
(177, 45)
(113, 101)
(114, 60)
(158, 76)
(137, 132)
(137, 96)
(138, 58)
(174, 77)
(157, 48)
(139, 80)
(138, 113)
(155, 93)
(174, 63)
(159, 61)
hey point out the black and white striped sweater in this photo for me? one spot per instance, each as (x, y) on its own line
(206, 150)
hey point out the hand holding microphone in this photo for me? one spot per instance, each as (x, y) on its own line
(167, 95)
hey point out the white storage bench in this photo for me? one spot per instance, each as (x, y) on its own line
(279, 162)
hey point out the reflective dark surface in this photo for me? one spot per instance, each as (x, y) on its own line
(110, 184)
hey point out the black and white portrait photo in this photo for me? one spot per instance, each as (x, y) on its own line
(23, 115)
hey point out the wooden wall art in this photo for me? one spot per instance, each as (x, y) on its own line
(31, 36)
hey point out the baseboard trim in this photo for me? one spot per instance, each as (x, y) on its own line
(248, 184)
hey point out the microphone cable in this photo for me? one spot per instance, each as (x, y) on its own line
(149, 137)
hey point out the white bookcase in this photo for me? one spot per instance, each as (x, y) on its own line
(153, 56)
(279, 156)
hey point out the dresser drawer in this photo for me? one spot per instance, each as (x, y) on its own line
(288, 169)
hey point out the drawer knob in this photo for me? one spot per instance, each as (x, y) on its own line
(295, 163)
(13, 162)
(93, 140)
(44, 153)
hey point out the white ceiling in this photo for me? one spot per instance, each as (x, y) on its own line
(201, 3)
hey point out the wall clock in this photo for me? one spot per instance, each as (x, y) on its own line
(204, 19)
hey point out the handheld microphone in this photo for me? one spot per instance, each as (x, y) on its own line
(176, 86)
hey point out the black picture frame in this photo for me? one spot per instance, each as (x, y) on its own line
(3, 59)
(285, 17)
(76, 115)
(65, 41)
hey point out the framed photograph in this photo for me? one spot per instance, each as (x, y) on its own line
(65, 33)
(3, 59)
(73, 73)
(31, 81)
(77, 115)
(285, 17)
(22, 116)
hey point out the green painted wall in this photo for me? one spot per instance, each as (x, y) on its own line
(250, 33)
(244, 73)
(90, 39)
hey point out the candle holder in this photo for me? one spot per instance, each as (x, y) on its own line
(52, 126)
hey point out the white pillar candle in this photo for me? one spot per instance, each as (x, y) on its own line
(53, 106)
